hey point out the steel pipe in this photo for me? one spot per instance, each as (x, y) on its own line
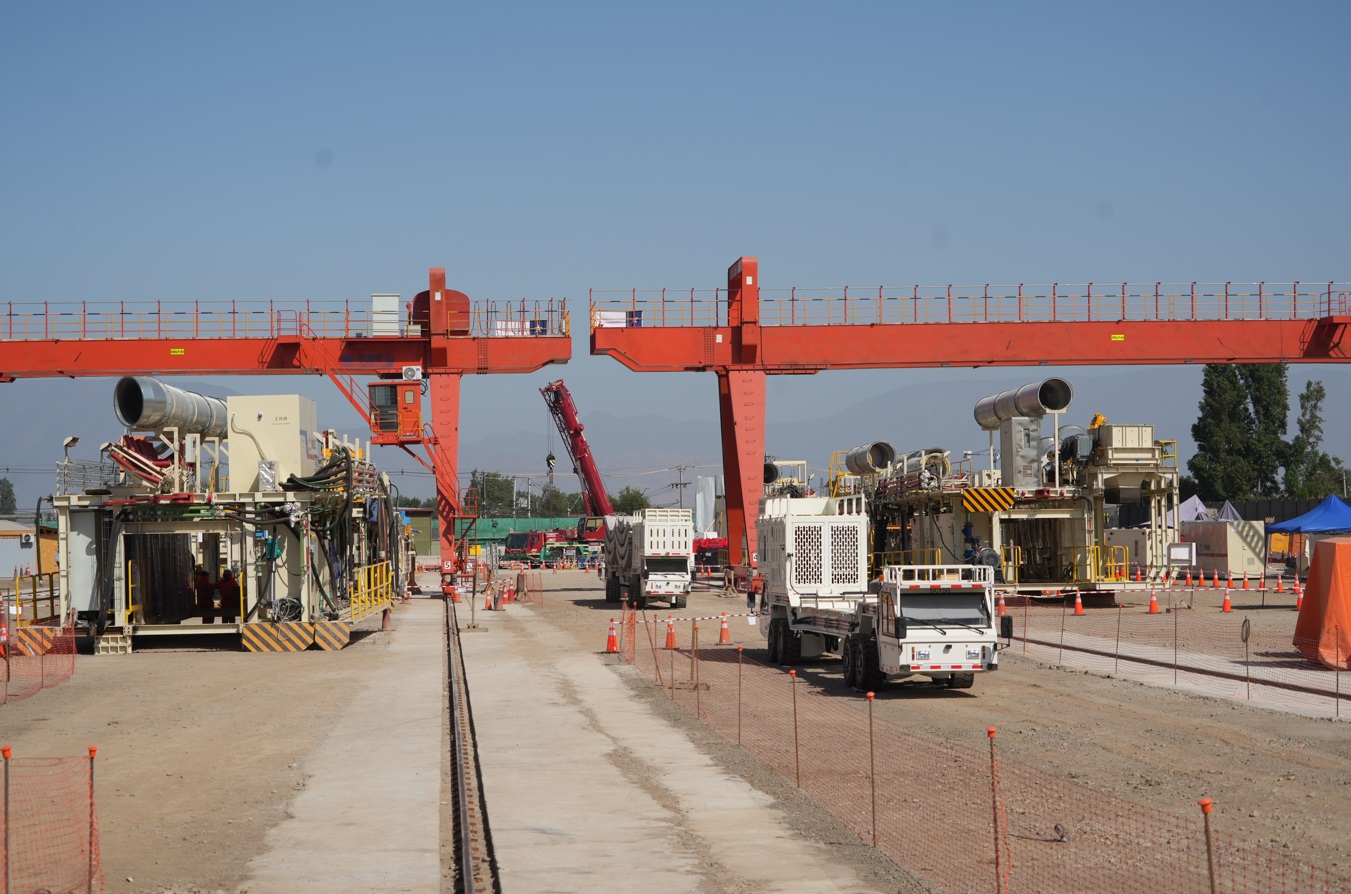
(147, 404)
(1032, 401)
(869, 459)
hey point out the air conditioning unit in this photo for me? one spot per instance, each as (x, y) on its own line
(412, 374)
(25, 539)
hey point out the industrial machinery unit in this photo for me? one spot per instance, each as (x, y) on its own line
(240, 511)
(1038, 520)
(649, 555)
(595, 501)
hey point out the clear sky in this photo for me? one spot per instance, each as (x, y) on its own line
(332, 150)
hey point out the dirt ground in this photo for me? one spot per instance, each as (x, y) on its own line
(199, 750)
(1274, 777)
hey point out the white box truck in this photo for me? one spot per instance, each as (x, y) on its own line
(649, 556)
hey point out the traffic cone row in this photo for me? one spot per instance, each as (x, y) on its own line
(611, 641)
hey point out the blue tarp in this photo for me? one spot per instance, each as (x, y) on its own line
(1329, 516)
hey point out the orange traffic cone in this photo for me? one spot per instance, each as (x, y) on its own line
(1137, 572)
(1216, 584)
(1003, 609)
(724, 635)
(1189, 578)
(670, 633)
(1226, 607)
(1280, 583)
(1229, 585)
(487, 600)
(1153, 602)
(1078, 603)
(1299, 595)
(612, 641)
(1245, 580)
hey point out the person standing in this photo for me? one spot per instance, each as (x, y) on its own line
(205, 591)
(229, 596)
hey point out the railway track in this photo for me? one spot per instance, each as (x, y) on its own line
(474, 869)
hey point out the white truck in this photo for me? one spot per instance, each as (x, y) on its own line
(936, 621)
(649, 556)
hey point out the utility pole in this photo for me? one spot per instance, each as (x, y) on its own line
(681, 484)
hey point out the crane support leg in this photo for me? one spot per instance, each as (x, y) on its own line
(741, 401)
(445, 393)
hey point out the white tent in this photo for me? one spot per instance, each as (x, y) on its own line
(1228, 513)
(1193, 509)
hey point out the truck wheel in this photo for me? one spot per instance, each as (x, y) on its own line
(850, 653)
(790, 646)
(774, 644)
(961, 681)
(871, 677)
(612, 589)
(679, 601)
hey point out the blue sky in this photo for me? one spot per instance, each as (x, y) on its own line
(308, 150)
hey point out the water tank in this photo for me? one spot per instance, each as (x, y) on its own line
(145, 403)
(1033, 400)
(869, 459)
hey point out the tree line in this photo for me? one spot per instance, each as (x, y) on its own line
(498, 498)
(1241, 449)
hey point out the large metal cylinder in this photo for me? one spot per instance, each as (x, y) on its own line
(869, 459)
(1030, 401)
(147, 404)
(771, 473)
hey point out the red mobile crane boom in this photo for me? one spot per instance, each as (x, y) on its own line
(595, 502)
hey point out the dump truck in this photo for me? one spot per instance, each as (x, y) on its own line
(649, 556)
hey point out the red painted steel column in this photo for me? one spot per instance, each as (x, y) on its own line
(741, 401)
(445, 394)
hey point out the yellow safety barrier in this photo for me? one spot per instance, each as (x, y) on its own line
(28, 603)
(372, 590)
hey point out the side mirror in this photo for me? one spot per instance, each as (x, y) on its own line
(900, 627)
(1006, 627)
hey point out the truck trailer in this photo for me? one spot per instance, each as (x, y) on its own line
(649, 556)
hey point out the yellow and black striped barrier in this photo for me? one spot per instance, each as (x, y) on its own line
(33, 640)
(282, 636)
(330, 636)
(987, 499)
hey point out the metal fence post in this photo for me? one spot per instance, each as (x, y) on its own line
(694, 674)
(1210, 848)
(872, 766)
(1175, 614)
(739, 650)
(1116, 650)
(9, 864)
(92, 829)
(797, 764)
(999, 867)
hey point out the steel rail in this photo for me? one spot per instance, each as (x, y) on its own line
(474, 865)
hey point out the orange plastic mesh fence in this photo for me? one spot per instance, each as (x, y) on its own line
(48, 826)
(1199, 649)
(38, 662)
(957, 814)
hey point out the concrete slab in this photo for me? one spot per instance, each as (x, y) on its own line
(369, 816)
(588, 788)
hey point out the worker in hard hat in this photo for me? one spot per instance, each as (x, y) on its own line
(229, 596)
(205, 591)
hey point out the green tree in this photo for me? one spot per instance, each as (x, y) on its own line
(495, 492)
(630, 499)
(1268, 392)
(1223, 434)
(8, 503)
(1311, 473)
(557, 504)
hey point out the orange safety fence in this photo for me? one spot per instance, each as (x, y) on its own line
(49, 839)
(35, 658)
(997, 824)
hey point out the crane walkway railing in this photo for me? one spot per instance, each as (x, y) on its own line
(127, 320)
(1021, 303)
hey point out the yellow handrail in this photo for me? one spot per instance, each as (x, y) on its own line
(372, 589)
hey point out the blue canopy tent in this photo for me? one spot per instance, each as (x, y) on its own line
(1331, 516)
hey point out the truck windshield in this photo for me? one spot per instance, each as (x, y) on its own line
(964, 608)
(517, 540)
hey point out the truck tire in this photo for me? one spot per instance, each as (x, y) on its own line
(790, 646)
(612, 589)
(637, 598)
(961, 681)
(871, 677)
(773, 641)
(679, 601)
(850, 653)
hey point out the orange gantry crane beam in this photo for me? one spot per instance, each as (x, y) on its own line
(442, 332)
(743, 333)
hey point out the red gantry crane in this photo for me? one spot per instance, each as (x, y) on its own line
(442, 338)
(743, 334)
(595, 501)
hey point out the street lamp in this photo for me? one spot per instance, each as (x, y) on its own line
(69, 443)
